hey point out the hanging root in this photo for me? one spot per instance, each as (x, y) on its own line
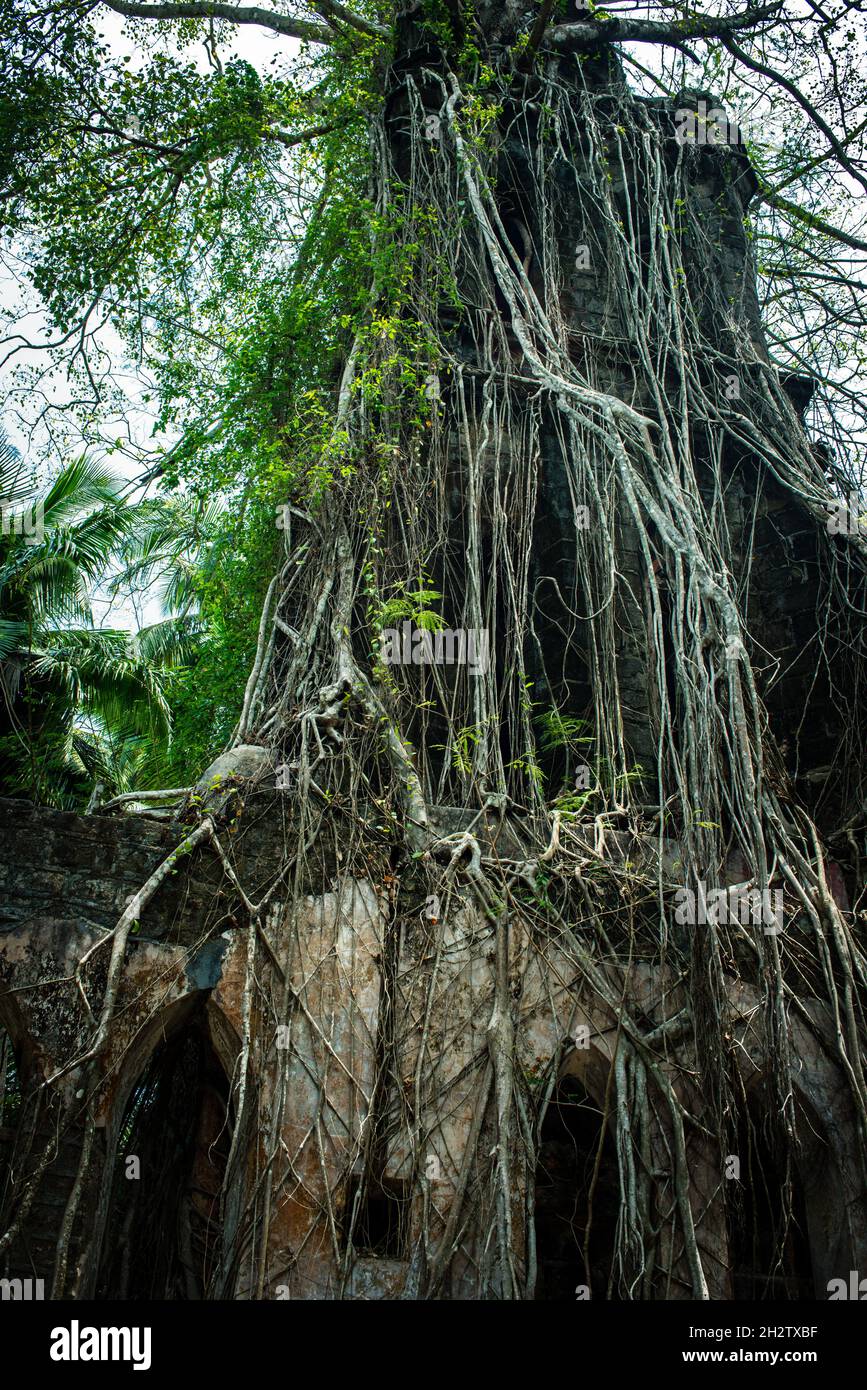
(452, 492)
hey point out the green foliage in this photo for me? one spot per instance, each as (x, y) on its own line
(562, 731)
(465, 741)
(158, 189)
(606, 786)
(205, 696)
(529, 768)
(412, 604)
(159, 192)
(74, 693)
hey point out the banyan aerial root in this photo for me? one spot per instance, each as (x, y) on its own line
(459, 378)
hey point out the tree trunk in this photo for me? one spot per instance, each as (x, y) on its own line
(517, 676)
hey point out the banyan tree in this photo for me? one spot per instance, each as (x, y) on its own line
(511, 947)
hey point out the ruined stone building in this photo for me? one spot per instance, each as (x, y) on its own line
(339, 1063)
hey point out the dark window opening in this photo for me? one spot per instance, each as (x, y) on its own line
(10, 1083)
(377, 1216)
(516, 223)
(163, 1239)
(519, 240)
(11, 1097)
(769, 1250)
(571, 1133)
(669, 683)
(669, 662)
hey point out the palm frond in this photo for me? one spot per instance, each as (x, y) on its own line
(13, 636)
(172, 643)
(80, 487)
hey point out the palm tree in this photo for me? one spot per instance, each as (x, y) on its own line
(177, 554)
(77, 700)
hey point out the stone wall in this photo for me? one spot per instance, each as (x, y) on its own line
(193, 954)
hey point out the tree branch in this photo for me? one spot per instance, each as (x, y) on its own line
(794, 91)
(311, 133)
(586, 33)
(331, 10)
(236, 14)
(538, 31)
(809, 219)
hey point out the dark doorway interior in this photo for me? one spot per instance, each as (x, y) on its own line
(377, 1216)
(10, 1104)
(769, 1249)
(163, 1239)
(571, 1133)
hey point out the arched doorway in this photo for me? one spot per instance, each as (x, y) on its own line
(576, 1188)
(28, 1126)
(768, 1235)
(164, 1237)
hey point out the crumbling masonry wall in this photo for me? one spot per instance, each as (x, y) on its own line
(63, 888)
